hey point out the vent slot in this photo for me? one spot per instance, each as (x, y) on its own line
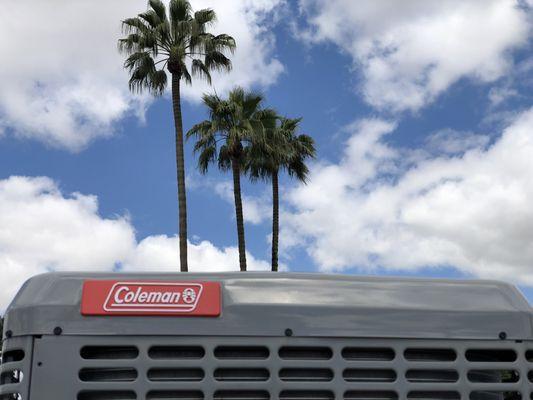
(432, 376)
(108, 375)
(491, 355)
(13, 356)
(242, 374)
(242, 352)
(175, 394)
(241, 395)
(176, 352)
(440, 355)
(369, 375)
(107, 395)
(502, 376)
(109, 352)
(495, 395)
(305, 353)
(370, 395)
(175, 374)
(306, 394)
(434, 395)
(11, 377)
(306, 375)
(368, 354)
(11, 396)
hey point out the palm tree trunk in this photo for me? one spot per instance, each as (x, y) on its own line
(180, 168)
(238, 212)
(275, 220)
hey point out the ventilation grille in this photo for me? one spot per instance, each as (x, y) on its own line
(248, 368)
(14, 371)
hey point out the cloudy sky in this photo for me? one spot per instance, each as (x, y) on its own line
(422, 112)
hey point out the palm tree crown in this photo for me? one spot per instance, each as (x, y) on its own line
(282, 149)
(180, 42)
(235, 123)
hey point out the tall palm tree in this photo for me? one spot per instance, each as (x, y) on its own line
(180, 44)
(234, 123)
(283, 149)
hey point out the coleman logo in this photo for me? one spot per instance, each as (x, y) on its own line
(150, 298)
(160, 297)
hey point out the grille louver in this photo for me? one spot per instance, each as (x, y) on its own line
(308, 371)
(14, 369)
(251, 368)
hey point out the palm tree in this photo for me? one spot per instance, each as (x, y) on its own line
(283, 149)
(235, 123)
(180, 44)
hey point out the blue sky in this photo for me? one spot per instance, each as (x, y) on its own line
(422, 117)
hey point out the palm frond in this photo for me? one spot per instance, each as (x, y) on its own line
(180, 17)
(302, 147)
(206, 157)
(144, 74)
(215, 60)
(205, 17)
(159, 7)
(251, 103)
(185, 74)
(224, 158)
(151, 18)
(135, 25)
(297, 168)
(158, 82)
(163, 33)
(220, 43)
(131, 43)
(198, 68)
(211, 101)
(200, 130)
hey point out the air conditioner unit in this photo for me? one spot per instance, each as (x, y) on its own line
(258, 336)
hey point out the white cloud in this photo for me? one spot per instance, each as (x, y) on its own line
(160, 253)
(380, 208)
(64, 83)
(411, 51)
(449, 141)
(498, 95)
(42, 229)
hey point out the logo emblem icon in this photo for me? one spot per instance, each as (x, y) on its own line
(189, 295)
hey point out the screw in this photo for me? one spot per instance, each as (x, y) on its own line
(502, 335)
(58, 331)
(9, 334)
(288, 332)
(39, 364)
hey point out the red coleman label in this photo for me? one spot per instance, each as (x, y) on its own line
(150, 298)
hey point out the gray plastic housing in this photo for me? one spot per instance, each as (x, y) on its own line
(279, 336)
(311, 305)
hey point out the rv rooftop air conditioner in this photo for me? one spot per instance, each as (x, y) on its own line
(258, 336)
